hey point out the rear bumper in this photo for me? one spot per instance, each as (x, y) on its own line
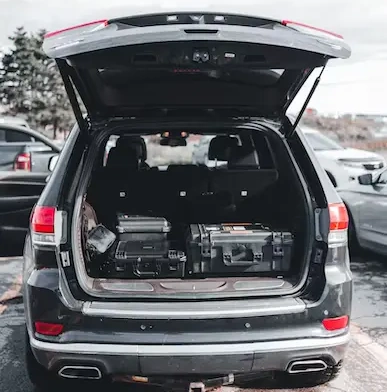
(114, 359)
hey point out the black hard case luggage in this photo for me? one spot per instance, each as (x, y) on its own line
(144, 248)
(237, 249)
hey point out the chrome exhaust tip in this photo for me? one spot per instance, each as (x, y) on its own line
(80, 372)
(315, 365)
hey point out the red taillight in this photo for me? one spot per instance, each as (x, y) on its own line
(338, 216)
(333, 324)
(48, 329)
(338, 225)
(42, 220)
(298, 24)
(84, 26)
(43, 225)
(23, 162)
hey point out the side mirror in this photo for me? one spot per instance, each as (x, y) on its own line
(366, 179)
(52, 162)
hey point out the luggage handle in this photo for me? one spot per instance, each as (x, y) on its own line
(139, 272)
(229, 259)
(145, 273)
(278, 251)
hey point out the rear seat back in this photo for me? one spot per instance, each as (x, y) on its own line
(176, 191)
(221, 147)
(184, 192)
(173, 193)
(187, 181)
(243, 178)
(108, 182)
(242, 184)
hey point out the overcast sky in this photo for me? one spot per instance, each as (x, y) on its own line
(355, 85)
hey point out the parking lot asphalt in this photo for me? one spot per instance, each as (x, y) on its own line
(365, 368)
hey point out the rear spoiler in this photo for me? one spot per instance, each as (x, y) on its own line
(105, 33)
(201, 18)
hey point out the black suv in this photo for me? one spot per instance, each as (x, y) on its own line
(142, 266)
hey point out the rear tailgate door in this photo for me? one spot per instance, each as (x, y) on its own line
(162, 62)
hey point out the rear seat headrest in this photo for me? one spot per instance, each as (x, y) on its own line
(123, 157)
(221, 146)
(243, 157)
(133, 141)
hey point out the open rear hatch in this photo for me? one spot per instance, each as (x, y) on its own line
(145, 67)
(238, 64)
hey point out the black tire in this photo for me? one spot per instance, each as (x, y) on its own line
(43, 379)
(309, 380)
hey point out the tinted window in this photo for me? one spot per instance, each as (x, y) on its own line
(15, 137)
(2, 135)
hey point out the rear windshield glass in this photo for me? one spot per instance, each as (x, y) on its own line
(160, 152)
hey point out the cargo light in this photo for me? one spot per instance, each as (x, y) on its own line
(290, 23)
(42, 225)
(334, 324)
(338, 225)
(89, 26)
(48, 329)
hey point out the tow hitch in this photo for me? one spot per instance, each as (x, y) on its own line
(196, 387)
(203, 386)
(182, 384)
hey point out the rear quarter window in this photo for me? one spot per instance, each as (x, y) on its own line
(17, 137)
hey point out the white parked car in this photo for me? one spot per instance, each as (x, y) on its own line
(11, 120)
(342, 164)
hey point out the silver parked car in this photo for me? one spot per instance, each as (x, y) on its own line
(366, 201)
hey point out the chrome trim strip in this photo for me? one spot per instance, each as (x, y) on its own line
(190, 349)
(194, 310)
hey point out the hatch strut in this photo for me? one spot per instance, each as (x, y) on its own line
(308, 98)
(83, 126)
